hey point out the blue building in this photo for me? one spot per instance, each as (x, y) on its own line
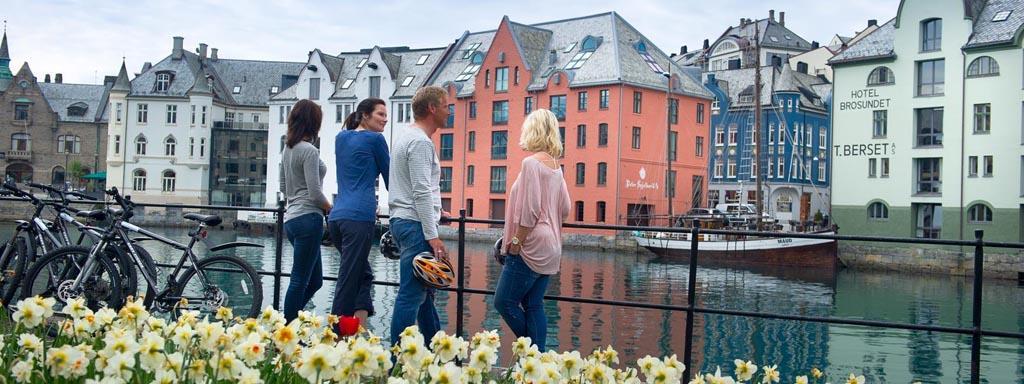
(795, 137)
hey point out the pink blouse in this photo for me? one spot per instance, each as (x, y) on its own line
(539, 199)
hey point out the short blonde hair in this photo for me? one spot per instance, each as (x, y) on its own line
(540, 133)
(426, 97)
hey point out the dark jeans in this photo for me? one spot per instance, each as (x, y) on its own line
(519, 299)
(305, 233)
(415, 301)
(355, 277)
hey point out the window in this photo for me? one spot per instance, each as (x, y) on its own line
(347, 83)
(638, 98)
(931, 35)
(822, 165)
(69, 144)
(603, 99)
(339, 117)
(501, 79)
(140, 145)
(872, 167)
(807, 135)
(475, 60)
(673, 145)
(231, 168)
(581, 135)
(447, 146)
(673, 111)
(641, 48)
(117, 144)
(719, 136)
(822, 137)
(558, 106)
(168, 181)
(143, 113)
(636, 137)
(407, 81)
(730, 169)
(983, 66)
(78, 109)
(202, 147)
(733, 132)
(718, 167)
(117, 108)
(139, 180)
(446, 179)
(499, 144)
(1001, 16)
(670, 184)
(470, 174)
(274, 89)
(423, 59)
(471, 141)
(347, 110)
(601, 207)
(929, 175)
(202, 116)
(472, 109)
(229, 117)
(931, 77)
(982, 118)
(498, 179)
(451, 116)
(780, 170)
(700, 113)
(784, 204)
(527, 105)
(782, 134)
(878, 211)
(581, 172)
(500, 112)
(163, 81)
(579, 211)
(602, 173)
(487, 78)
(881, 76)
(602, 135)
(928, 220)
(987, 166)
(172, 114)
(979, 213)
(972, 166)
(236, 89)
(929, 127)
(578, 60)
(169, 144)
(375, 86)
(581, 101)
(361, 63)
(883, 172)
(314, 88)
(699, 146)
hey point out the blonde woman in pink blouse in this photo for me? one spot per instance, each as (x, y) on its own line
(537, 205)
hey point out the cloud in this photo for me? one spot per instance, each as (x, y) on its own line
(85, 40)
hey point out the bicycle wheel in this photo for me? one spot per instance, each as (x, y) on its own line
(12, 266)
(150, 266)
(133, 281)
(54, 274)
(230, 282)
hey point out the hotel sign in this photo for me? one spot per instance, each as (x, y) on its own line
(864, 99)
(870, 149)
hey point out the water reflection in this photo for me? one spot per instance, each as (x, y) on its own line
(881, 355)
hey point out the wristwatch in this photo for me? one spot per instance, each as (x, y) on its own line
(514, 241)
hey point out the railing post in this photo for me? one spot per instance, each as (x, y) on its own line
(461, 284)
(278, 252)
(979, 266)
(691, 300)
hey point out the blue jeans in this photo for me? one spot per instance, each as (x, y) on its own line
(305, 233)
(519, 299)
(415, 301)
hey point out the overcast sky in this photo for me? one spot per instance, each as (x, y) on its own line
(85, 40)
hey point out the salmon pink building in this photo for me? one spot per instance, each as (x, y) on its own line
(620, 122)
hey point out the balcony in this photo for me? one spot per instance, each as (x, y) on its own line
(239, 125)
(19, 155)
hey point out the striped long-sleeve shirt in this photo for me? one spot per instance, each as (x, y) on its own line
(415, 178)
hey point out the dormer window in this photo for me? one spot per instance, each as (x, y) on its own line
(347, 83)
(423, 59)
(361, 63)
(407, 81)
(163, 81)
(236, 89)
(590, 44)
(641, 48)
(77, 109)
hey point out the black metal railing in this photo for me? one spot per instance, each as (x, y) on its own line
(691, 309)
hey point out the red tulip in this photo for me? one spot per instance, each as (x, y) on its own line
(348, 325)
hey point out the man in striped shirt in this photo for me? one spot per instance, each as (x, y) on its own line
(414, 199)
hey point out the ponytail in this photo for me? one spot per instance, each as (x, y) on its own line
(352, 121)
(365, 108)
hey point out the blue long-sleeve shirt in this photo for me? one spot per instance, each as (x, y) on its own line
(359, 157)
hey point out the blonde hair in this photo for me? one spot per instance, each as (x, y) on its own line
(540, 133)
(426, 97)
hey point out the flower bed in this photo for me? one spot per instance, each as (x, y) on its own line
(78, 345)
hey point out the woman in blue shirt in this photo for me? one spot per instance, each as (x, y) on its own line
(361, 156)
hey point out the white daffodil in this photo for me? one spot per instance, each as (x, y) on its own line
(22, 371)
(447, 348)
(28, 314)
(718, 378)
(318, 362)
(744, 370)
(801, 380)
(252, 350)
(854, 379)
(30, 343)
(771, 374)
(151, 352)
(448, 373)
(76, 308)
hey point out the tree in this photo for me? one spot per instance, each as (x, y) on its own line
(77, 172)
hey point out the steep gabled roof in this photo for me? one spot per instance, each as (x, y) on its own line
(772, 34)
(989, 32)
(459, 59)
(60, 96)
(876, 45)
(255, 78)
(532, 42)
(419, 72)
(332, 63)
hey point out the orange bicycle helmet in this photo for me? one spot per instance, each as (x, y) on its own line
(431, 271)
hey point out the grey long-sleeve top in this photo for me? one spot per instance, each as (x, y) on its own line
(415, 174)
(303, 180)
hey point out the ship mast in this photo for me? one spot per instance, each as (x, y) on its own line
(757, 120)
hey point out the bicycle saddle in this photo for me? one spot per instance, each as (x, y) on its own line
(98, 214)
(205, 219)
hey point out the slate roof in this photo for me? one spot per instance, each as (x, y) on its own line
(988, 32)
(456, 61)
(741, 81)
(349, 60)
(878, 44)
(420, 72)
(772, 34)
(61, 96)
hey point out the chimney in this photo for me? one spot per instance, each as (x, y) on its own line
(771, 15)
(202, 51)
(213, 54)
(814, 45)
(178, 44)
(707, 44)
(47, 78)
(682, 51)
(58, 78)
(782, 19)
(872, 23)
(743, 21)
(146, 66)
(553, 57)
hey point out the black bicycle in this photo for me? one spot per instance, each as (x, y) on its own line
(202, 285)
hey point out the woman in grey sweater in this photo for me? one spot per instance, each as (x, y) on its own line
(306, 204)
